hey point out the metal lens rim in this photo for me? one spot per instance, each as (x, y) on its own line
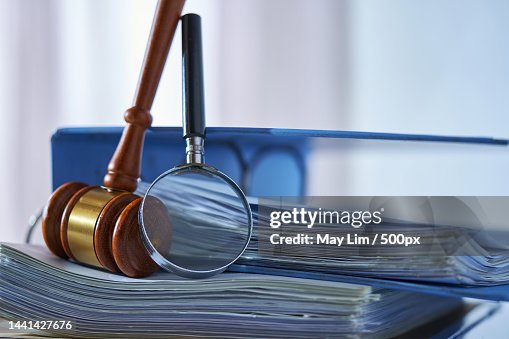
(169, 265)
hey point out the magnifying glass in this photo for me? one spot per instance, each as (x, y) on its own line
(195, 221)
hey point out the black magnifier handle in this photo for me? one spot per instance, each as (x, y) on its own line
(193, 98)
(193, 105)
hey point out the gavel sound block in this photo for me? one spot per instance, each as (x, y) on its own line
(98, 225)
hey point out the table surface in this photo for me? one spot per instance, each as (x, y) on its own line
(494, 327)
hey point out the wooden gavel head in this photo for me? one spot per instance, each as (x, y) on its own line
(98, 225)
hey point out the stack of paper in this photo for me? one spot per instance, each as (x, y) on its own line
(450, 254)
(479, 268)
(35, 285)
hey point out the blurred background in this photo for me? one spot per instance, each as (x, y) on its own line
(437, 67)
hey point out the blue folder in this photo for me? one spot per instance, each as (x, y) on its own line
(264, 162)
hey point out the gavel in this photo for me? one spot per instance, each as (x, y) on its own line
(98, 225)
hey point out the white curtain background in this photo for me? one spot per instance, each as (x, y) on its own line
(436, 67)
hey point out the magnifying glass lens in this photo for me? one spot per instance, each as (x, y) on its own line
(195, 221)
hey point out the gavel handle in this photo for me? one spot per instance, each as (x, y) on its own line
(125, 165)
